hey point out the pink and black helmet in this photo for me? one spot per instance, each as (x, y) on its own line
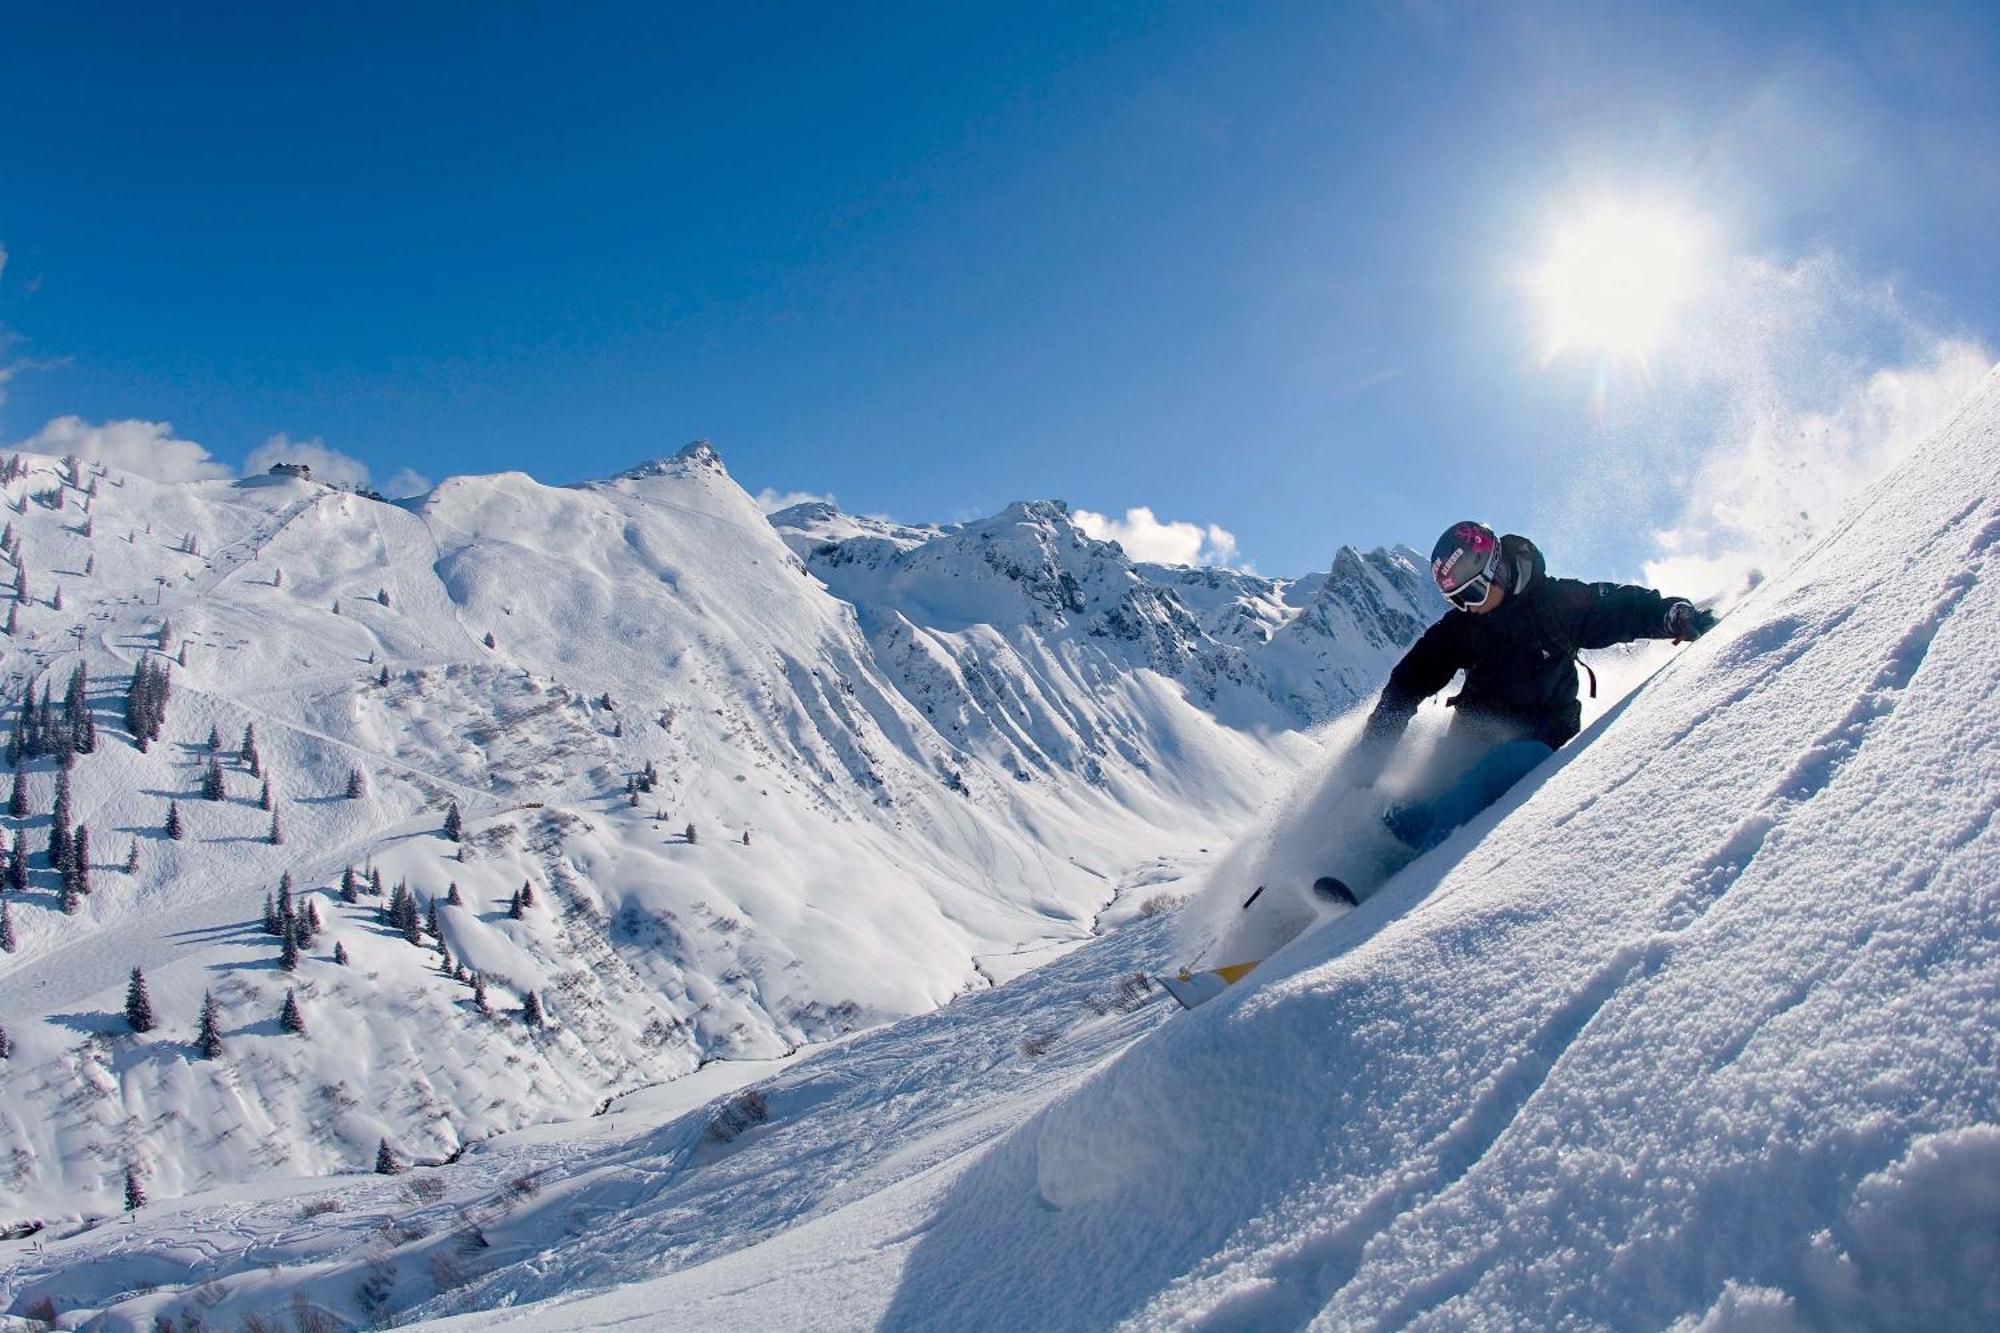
(1465, 562)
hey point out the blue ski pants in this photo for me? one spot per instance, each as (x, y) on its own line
(1426, 823)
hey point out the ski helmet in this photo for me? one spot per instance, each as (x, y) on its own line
(1465, 562)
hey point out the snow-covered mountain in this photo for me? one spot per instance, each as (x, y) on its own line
(1693, 1030)
(879, 773)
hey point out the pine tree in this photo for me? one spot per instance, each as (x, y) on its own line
(17, 863)
(135, 1195)
(6, 1045)
(82, 731)
(413, 929)
(690, 833)
(7, 941)
(273, 923)
(444, 958)
(174, 828)
(59, 822)
(132, 858)
(516, 908)
(214, 739)
(531, 1010)
(431, 919)
(248, 751)
(490, 641)
(68, 898)
(291, 1018)
(17, 800)
(746, 837)
(313, 924)
(56, 602)
(382, 679)
(375, 880)
(79, 857)
(480, 1000)
(264, 796)
(454, 824)
(349, 890)
(277, 833)
(213, 786)
(13, 620)
(288, 948)
(452, 897)
(340, 953)
(355, 787)
(209, 1040)
(146, 701)
(52, 737)
(385, 1161)
(138, 1007)
(382, 596)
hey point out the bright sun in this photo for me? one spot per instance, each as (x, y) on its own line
(1613, 279)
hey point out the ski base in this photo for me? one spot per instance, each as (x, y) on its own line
(1193, 988)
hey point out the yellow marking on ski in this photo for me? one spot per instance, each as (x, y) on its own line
(1235, 972)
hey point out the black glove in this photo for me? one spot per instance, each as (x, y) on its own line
(1687, 621)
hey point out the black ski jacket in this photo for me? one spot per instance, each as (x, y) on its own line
(1520, 658)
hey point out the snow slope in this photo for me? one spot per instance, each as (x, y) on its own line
(1693, 1031)
(882, 824)
(1698, 1026)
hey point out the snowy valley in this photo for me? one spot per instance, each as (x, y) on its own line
(717, 798)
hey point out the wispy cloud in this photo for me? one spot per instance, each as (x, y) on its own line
(405, 482)
(771, 500)
(327, 464)
(1367, 382)
(1146, 538)
(149, 448)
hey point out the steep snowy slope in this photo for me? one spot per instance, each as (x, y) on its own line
(1694, 1031)
(1698, 1025)
(825, 842)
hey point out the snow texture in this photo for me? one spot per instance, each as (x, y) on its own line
(1694, 1030)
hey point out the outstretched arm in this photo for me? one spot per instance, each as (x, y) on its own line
(1607, 613)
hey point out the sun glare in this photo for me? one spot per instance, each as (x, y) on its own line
(1613, 279)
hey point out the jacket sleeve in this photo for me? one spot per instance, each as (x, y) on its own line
(1603, 614)
(1425, 669)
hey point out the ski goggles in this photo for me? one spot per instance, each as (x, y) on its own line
(1466, 579)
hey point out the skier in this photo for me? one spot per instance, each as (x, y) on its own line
(1515, 632)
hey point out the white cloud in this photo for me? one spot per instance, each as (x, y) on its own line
(329, 465)
(771, 501)
(3, 260)
(1146, 538)
(405, 482)
(145, 447)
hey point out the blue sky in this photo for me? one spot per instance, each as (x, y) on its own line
(1254, 266)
